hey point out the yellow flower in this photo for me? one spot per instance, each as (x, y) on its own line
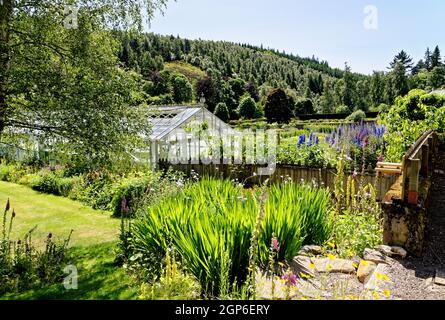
(331, 256)
(387, 292)
(379, 275)
(386, 278)
(355, 265)
(312, 266)
(332, 245)
(376, 295)
(329, 266)
(303, 298)
(364, 263)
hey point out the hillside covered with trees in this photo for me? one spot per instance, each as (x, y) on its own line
(232, 76)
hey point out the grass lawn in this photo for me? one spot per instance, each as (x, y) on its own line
(91, 248)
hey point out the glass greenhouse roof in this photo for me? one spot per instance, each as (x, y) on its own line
(168, 119)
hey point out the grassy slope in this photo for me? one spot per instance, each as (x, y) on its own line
(92, 243)
(191, 72)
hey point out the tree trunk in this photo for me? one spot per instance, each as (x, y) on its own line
(5, 24)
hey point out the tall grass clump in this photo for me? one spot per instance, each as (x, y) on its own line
(297, 214)
(216, 218)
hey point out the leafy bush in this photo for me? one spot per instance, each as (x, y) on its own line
(343, 109)
(312, 156)
(12, 172)
(135, 193)
(222, 112)
(52, 182)
(95, 189)
(22, 266)
(409, 118)
(212, 218)
(357, 116)
(247, 108)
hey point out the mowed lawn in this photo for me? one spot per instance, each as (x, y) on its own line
(57, 215)
(91, 249)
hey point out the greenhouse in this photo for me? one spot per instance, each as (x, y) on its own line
(181, 134)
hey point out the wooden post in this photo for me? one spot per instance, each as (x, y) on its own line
(425, 160)
(413, 181)
(431, 148)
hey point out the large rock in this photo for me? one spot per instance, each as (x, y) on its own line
(380, 279)
(440, 277)
(310, 250)
(365, 269)
(374, 256)
(399, 251)
(387, 250)
(328, 265)
(302, 264)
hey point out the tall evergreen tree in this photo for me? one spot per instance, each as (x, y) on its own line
(399, 80)
(428, 59)
(436, 59)
(403, 58)
(347, 95)
(377, 89)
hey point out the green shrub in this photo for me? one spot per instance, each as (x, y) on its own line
(137, 193)
(52, 182)
(95, 189)
(343, 109)
(222, 112)
(357, 116)
(12, 172)
(213, 218)
(128, 195)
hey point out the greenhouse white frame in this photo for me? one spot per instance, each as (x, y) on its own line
(179, 134)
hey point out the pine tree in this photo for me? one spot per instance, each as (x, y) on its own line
(418, 67)
(428, 59)
(404, 59)
(399, 80)
(348, 89)
(436, 59)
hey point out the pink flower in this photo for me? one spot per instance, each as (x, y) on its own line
(290, 278)
(275, 244)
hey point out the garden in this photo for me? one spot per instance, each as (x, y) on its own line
(173, 236)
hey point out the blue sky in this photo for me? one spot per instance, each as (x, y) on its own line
(332, 30)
